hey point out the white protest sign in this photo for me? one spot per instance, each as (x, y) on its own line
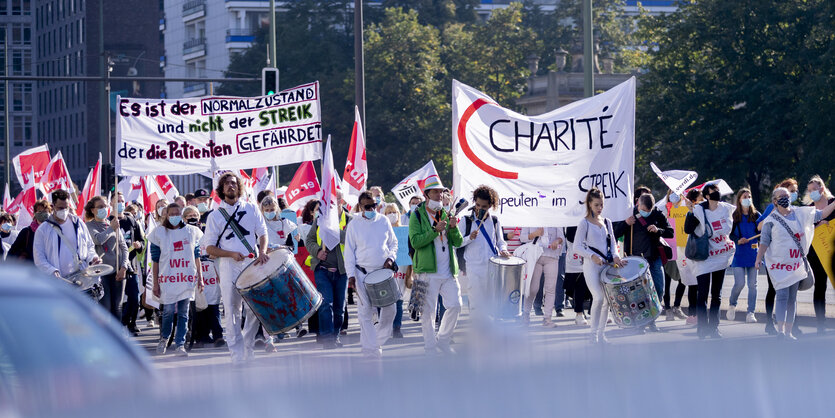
(201, 135)
(412, 185)
(676, 180)
(543, 166)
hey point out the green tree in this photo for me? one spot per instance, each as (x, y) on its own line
(739, 91)
(439, 13)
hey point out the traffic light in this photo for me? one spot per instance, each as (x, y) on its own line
(269, 81)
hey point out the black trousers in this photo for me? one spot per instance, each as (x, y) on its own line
(575, 283)
(692, 299)
(819, 297)
(769, 302)
(130, 309)
(680, 287)
(709, 283)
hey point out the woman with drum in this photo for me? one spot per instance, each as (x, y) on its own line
(818, 195)
(176, 272)
(714, 218)
(108, 237)
(787, 235)
(744, 235)
(595, 242)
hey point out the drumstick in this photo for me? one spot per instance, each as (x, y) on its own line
(754, 237)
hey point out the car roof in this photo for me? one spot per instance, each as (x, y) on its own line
(17, 277)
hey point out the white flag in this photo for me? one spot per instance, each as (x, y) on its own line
(329, 219)
(676, 180)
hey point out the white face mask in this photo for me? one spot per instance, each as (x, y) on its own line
(62, 214)
(413, 208)
(434, 204)
(159, 210)
(392, 217)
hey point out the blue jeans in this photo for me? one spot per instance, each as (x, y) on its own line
(785, 304)
(398, 317)
(168, 321)
(334, 289)
(656, 269)
(739, 282)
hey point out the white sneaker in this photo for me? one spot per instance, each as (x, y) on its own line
(731, 315)
(181, 352)
(580, 320)
(750, 318)
(161, 346)
(151, 324)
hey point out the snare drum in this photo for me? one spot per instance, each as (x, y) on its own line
(278, 292)
(381, 287)
(631, 293)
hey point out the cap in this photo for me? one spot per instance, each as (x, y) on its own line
(201, 193)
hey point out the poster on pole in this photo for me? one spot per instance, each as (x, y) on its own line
(543, 166)
(204, 134)
(824, 244)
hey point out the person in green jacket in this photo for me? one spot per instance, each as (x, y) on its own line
(434, 236)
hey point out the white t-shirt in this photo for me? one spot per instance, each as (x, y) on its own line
(177, 267)
(279, 230)
(248, 217)
(722, 248)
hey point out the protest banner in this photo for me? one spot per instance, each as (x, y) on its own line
(202, 135)
(412, 185)
(824, 244)
(543, 166)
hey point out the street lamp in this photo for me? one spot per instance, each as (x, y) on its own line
(561, 57)
(533, 63)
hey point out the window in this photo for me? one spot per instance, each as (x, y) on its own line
(22, 97)
(21, 62)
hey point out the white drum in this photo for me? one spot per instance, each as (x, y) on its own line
(381, 287)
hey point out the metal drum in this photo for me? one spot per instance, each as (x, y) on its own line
(381, 287)
(503, 288)
(88, 279)
(631, 293)
(279, 292)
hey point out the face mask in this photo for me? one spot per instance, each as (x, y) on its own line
(378, 199)
(41, 217)
(202, 207)
(745, 203)
(413, 208)
(674, 198)
(644, 214)
(793, 197)
(815, 195)
(159, 210)
(120, 207)
(269, 215)
(175, 220)
(6, 227)
(101, 213)
(434, 204)
(369, 214)
(392, 217)
(193, 221)
(479, 213)
(446, 207)
(714, 195)
(783, 202)
(62, 214)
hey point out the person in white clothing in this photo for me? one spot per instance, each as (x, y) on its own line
(8, 233)
(552, 242)
(233, 254)
(176, 271)
(370, 245)
(62, 244)
(714, 218)
(786, 237)
(279, 228)
(482, 240)
(595, 242)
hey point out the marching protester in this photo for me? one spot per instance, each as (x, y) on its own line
(109, 240)
(676, 210)
(482, 239)
(787, 234)
(789, 184)
(280, 229)
(402, 275)
(713, 218)
(643, 234)
(575, 282)
(379, 198)
(23, 246)
(595, 241)
(370, 245)
(330, 276)
(62, 244)
(8, 233)
(176, 272)
(135, 242)
(236, 235)
(205, 326)
(818, 196)
(414, 201)
(201, 200)
(551, 240)
(434, 236)
(744, 235)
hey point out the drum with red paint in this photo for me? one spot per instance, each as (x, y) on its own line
(279, 292)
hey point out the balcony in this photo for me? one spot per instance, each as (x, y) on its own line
(240, 35)
(194, 48)
(194, 9)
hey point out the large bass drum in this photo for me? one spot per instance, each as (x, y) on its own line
(631, 293)
(505, 276)
(279, 292)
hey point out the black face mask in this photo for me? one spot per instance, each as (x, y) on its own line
(714, 195)
(479, 213)
(193, 222)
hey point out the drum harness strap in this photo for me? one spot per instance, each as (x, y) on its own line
(608, 257)
(66, 242)
(231, 222)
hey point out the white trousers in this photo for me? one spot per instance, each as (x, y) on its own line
(477, 289)
(448, 289)
(240, 343)
(600, 304)
(372, 337)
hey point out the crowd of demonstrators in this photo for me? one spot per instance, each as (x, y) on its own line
(183, 249)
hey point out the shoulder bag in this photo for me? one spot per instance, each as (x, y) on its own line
(698, 248)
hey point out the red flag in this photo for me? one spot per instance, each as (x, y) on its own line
(168, 189)
(151, 193)
(57, 176)
(24, 203)
(32, 159)
(7, 199)
(356, 166)
(303, 187)
(92, 187)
